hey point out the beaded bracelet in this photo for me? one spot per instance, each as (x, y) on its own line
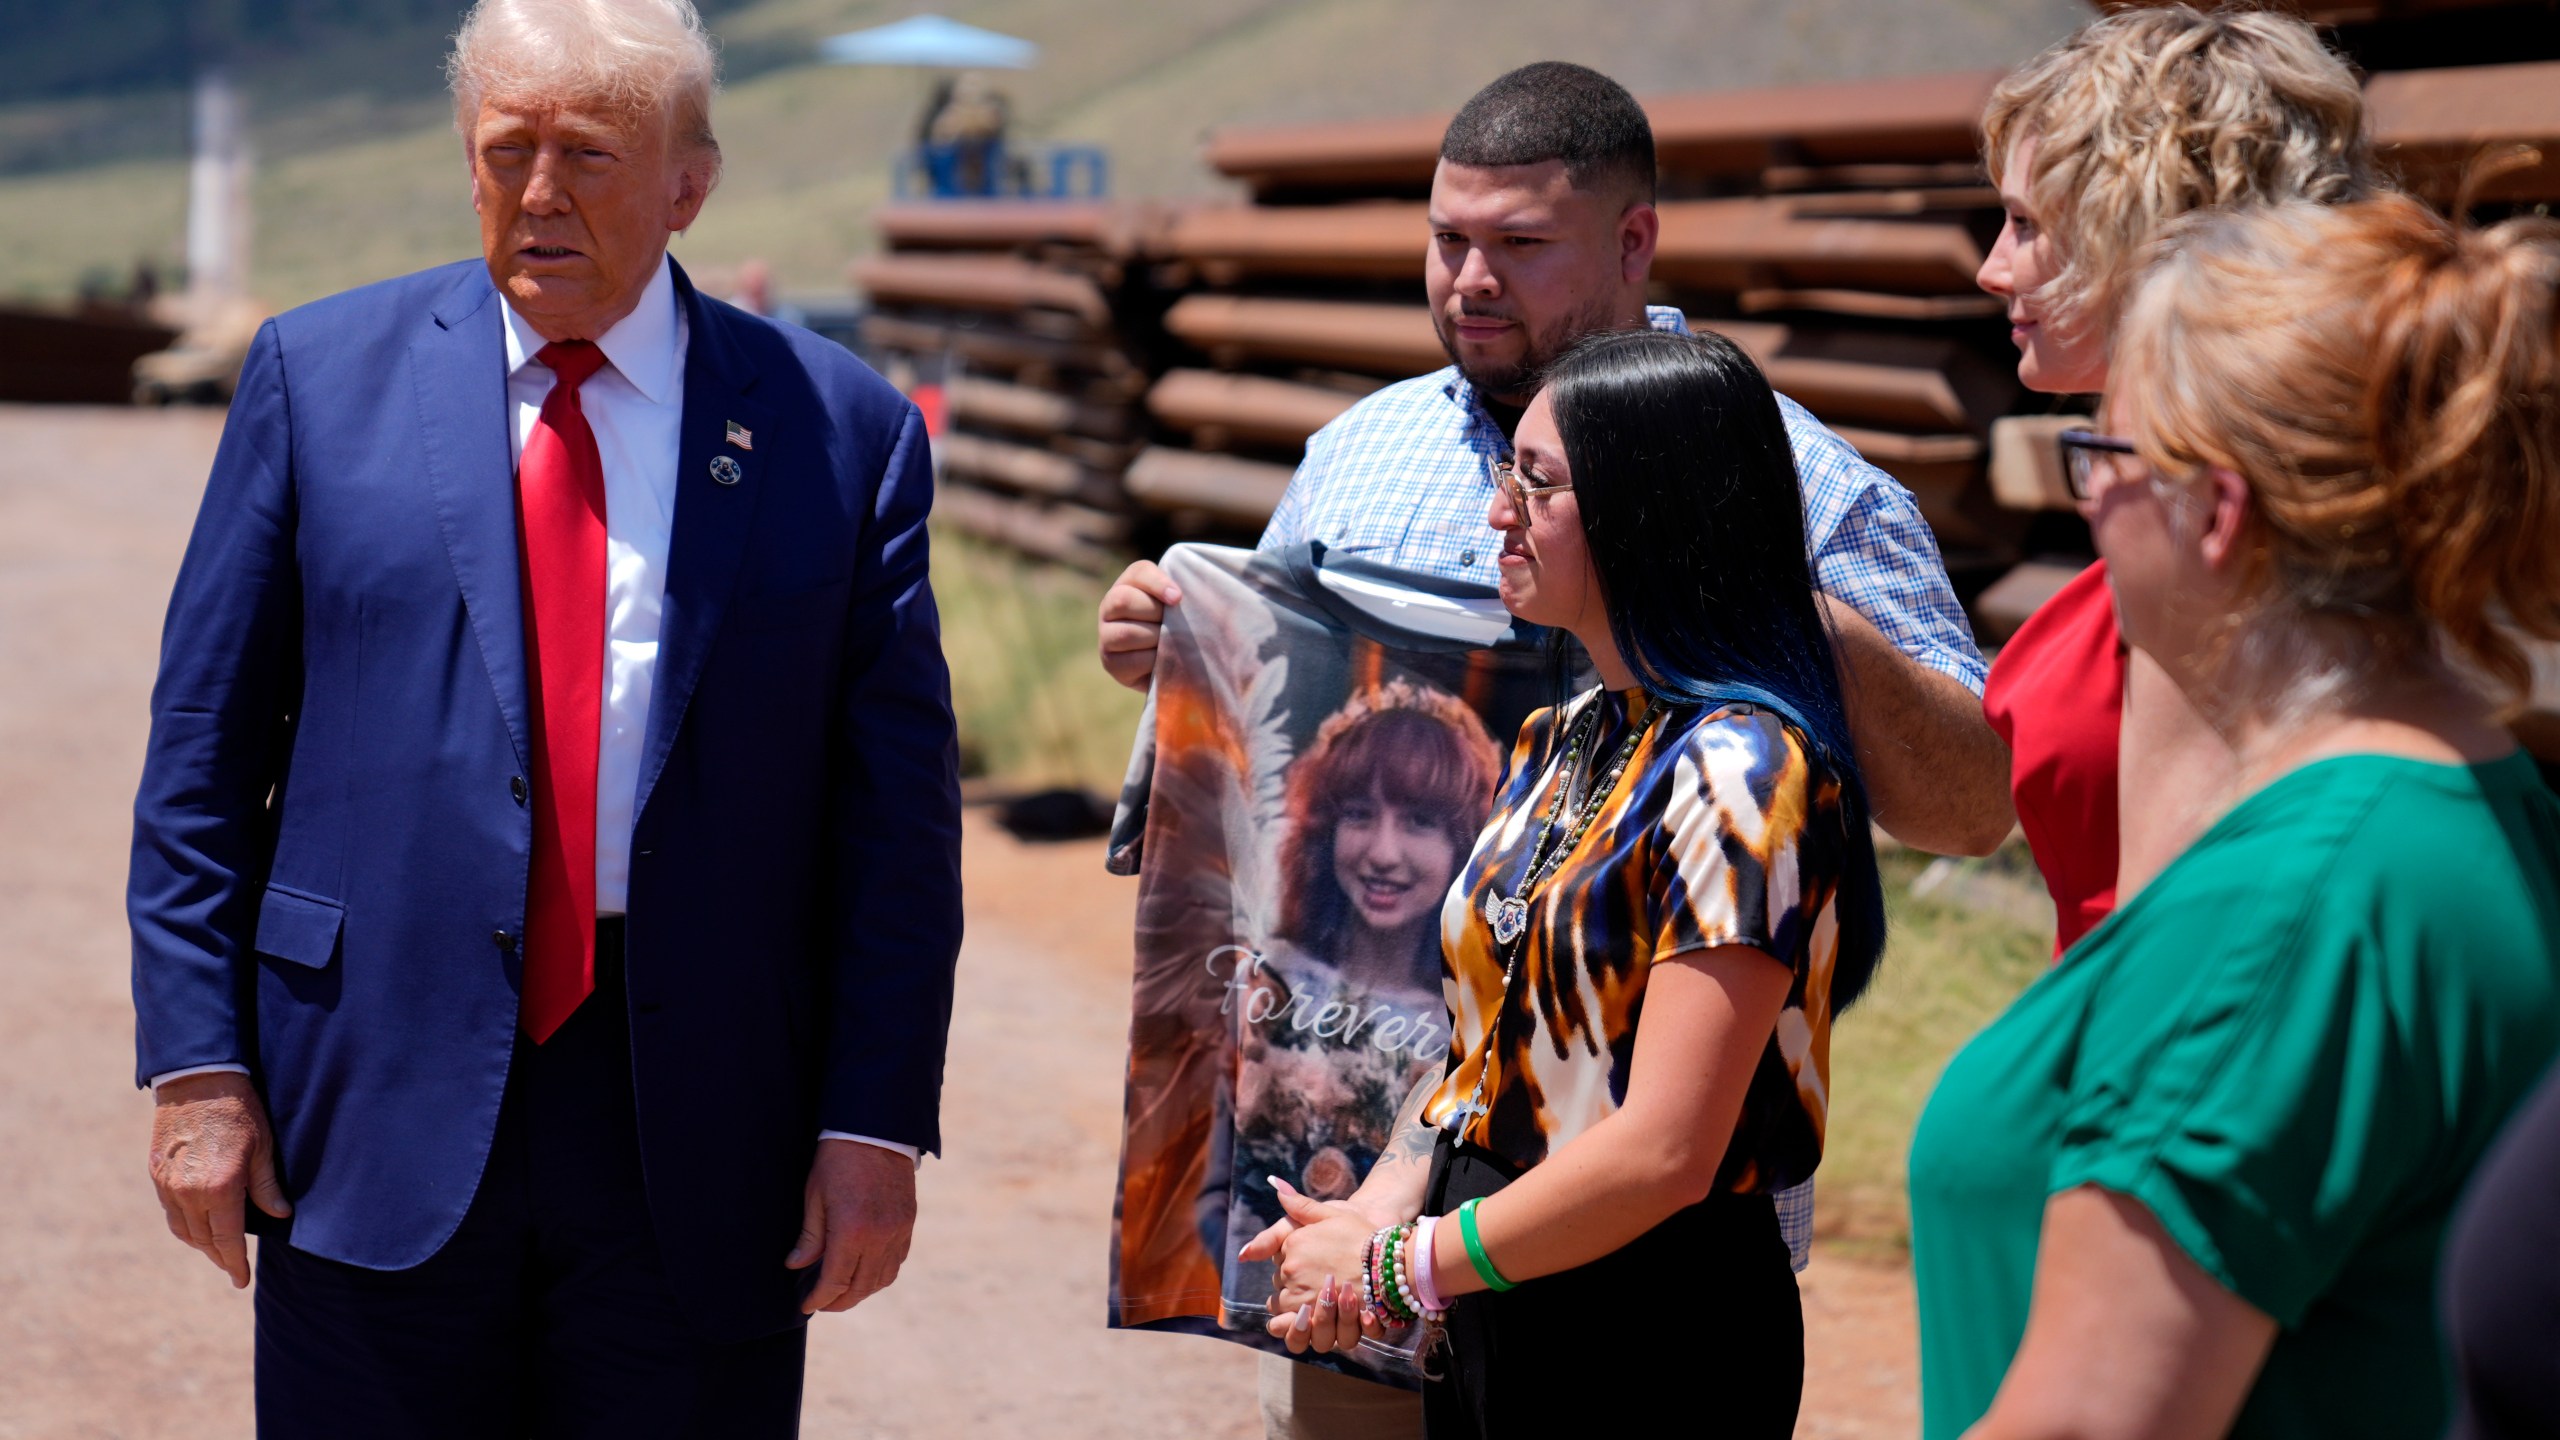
(1394, 1295)
(1404, 1270)
(1370, 1309)
(1378, 1269)
(1374, 1289)
(1411, 1293)
(1399, 1301)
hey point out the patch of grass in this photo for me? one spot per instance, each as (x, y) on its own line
(1035, 708)
(1948, 970)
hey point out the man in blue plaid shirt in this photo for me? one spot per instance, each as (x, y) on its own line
(1542, 232)
(1523, 261)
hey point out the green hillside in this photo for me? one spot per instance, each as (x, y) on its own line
(361, 176)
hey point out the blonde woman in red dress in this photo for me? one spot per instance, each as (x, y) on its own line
(2098, 143)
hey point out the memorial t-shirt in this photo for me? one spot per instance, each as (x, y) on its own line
(1317, 757)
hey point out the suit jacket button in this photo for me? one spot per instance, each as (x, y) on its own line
(505, 942)
(516, 787)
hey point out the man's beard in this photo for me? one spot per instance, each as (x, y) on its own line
(1520, 379)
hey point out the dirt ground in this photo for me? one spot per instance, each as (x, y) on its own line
(110, 1328)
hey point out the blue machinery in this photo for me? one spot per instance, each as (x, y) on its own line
(970, 169)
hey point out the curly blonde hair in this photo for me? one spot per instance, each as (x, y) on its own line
(2388, 384)
(2146, 114)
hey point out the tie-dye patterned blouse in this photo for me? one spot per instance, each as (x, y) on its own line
(1722, 831)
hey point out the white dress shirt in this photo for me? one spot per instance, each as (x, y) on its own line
(635, 405)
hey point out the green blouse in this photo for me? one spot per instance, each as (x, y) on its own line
(2292, 1048)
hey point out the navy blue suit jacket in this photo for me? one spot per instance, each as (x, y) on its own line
(329, 861)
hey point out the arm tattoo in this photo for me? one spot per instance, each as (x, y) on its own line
(1413, 1139)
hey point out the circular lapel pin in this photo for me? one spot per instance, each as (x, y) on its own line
(725, 470)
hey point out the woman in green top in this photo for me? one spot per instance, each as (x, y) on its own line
(2195, 1181)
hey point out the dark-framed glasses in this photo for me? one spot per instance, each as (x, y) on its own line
(2082, 452)
(1507, 475)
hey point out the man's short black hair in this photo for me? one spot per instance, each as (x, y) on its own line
(1556, 111)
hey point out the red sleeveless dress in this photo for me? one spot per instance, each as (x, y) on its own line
(2056, 694)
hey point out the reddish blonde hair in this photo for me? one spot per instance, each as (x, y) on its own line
(1419, 749)
(2388, 384)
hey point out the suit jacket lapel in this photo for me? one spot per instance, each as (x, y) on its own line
(712, 520)
(460, 365)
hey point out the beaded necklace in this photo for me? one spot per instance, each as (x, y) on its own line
(1508, 915)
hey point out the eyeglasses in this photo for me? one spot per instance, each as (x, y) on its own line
(2081, 450)
(1507, 475)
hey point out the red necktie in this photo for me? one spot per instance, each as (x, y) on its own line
(560, 510)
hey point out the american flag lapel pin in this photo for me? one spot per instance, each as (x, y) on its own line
(740, 436)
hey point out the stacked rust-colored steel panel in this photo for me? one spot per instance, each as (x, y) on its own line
(1832, 230)
(1030, 323)
(1122, 374)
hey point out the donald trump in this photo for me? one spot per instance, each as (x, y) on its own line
(545, 874)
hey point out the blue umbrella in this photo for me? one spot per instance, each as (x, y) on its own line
(930, 40)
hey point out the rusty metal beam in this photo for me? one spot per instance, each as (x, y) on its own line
(2431, 125)
(1900, 382)
(1002, 349)
(1885, 381)
(2000, 609)
(1706, 244)
(1243, 491)
(1764, 243)
(1391, 340)
(998, 283)
(1940, 471)
(1871, 177)
(2026, 461)
(1031, 409)
(1907, 120)
(1021, 467)
(1119, 229)
(1890, 132)
(1913, 119)
(1390, 152)
(2337, 12)
(1870, 304)
(1251, 408)
(1069, 534)
(1384, 239)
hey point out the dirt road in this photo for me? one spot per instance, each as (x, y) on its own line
(110, 1328)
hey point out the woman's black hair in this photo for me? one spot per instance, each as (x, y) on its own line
(1695, 521)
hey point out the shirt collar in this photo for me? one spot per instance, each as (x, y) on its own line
(641, 345)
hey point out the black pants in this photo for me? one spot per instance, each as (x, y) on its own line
(1695, 1323)
(548, 1314)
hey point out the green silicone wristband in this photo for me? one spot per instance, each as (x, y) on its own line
(1475, 1247)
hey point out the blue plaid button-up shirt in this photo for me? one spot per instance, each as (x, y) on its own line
(1404, 479)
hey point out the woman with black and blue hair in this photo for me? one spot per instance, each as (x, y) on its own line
(1675, 895)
